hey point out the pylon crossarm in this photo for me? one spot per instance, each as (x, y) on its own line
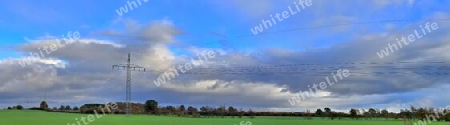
(132, 68)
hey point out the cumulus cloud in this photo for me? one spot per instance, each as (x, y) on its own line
(76, 70)
(81, 72)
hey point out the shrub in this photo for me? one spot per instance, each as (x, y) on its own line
(67, 108)
(43, 105)
(447, 117)
(19, 107)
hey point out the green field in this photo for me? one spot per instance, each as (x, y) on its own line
(11, 117)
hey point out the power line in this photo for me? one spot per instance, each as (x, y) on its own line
(44, 97)
(224, 41)
(345, 24)
(356, 68)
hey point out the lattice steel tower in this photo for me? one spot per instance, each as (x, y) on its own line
(129, 67)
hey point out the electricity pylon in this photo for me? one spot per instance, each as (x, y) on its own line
(45, 98)
(129, 67)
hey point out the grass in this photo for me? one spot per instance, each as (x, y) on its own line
(24, 117)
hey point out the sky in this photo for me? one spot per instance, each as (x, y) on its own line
(160, 34)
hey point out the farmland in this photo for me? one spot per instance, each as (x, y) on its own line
(25, 117)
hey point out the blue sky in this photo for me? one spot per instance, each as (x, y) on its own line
(196, 18)
(30, 18)
(182, 28)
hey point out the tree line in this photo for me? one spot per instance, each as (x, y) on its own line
(151, 107)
